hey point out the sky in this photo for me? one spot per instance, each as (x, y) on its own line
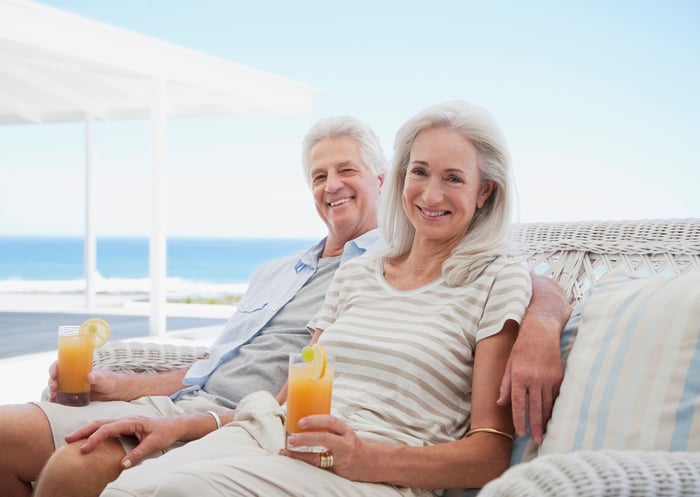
(599, 101)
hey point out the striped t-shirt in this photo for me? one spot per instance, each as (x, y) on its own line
(404, 359)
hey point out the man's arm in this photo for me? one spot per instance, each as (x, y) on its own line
(108, 385)
(534, 371)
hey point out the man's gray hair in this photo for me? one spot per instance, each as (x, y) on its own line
(339, 126)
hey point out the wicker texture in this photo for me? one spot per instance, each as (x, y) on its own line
(142, 357)
(607, 473)
(576, 255)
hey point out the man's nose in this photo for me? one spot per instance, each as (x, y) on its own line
(334, 182)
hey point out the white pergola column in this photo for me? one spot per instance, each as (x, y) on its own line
(158, 241)
(90, 249)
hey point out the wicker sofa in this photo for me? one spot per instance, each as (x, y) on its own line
(578, 256)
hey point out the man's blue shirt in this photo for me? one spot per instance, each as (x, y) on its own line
(271, 287)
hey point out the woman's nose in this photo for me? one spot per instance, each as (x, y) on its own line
(432, 194)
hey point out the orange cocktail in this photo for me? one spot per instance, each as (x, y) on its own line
(75, 346)
(309, 391)
(74, 364)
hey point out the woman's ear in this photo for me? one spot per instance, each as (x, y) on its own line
(485, 193)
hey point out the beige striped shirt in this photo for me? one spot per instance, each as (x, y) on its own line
(404, 359)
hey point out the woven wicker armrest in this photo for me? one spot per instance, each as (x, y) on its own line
(146, 357)
(608, 473)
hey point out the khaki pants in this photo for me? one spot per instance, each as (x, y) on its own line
(241, 459)
(65, 419)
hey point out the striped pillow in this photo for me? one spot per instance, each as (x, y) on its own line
(632, 380)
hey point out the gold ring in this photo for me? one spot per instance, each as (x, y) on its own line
(326, 461)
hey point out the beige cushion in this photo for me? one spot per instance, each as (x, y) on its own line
(632, 380)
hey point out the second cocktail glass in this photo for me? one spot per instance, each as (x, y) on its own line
(308, 392)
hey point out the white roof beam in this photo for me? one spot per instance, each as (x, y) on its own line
(62, 92)
(24, 112)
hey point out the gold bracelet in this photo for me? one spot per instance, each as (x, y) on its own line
(489, 430)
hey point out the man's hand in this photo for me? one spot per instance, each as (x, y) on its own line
(104, 385)
(531, 383)
(154, 435)
(535, 371)
(108, 385)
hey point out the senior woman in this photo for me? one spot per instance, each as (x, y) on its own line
(421, 335)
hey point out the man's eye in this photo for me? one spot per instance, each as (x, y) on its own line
(318, 178)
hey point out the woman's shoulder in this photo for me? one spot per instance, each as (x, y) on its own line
(506, 269)
(368, 260)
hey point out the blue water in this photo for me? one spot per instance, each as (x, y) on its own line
(207, 260)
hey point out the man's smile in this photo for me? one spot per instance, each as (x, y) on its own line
(341, 201)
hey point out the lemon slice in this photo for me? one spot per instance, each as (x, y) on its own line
(99, 328)
(316, 357)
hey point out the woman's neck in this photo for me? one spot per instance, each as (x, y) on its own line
(417, 267)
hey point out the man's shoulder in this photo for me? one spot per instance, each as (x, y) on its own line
(287, 260)
(281, 262)
(304, 256)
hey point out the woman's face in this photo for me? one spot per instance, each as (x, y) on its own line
(443, 187)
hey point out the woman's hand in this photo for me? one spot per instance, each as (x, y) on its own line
(350, 454)
(154, 435)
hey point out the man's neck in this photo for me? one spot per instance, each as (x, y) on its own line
(334, 247)
(335, 243)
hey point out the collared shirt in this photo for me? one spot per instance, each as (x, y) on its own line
(271, 287)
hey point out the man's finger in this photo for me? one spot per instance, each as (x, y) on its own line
(548, 398)
(136, 455)
(506, 382)
(519, 396)
(99, 436)
(535, 414)
(83, 432)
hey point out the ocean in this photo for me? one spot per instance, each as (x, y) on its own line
(32, 263)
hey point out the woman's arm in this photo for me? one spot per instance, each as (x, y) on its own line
(466, 463)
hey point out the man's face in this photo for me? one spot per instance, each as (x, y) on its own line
(346, 192)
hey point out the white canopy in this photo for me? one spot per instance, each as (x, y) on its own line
(56, 66)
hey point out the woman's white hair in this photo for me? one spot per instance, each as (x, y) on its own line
(490, 224)
(340, 126)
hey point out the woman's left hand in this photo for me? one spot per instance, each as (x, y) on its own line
(349, 459)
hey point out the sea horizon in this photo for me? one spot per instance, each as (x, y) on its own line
(202, 265)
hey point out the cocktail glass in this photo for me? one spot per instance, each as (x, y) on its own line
(74, 364)
(307, 395)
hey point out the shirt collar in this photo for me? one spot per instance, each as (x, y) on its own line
(353, 248)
